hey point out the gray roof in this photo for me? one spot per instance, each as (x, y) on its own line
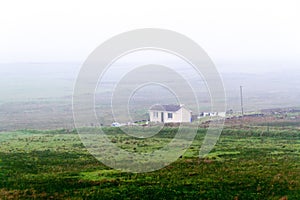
(171, 108)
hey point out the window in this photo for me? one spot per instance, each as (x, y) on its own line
(170, 115)
(155, 114)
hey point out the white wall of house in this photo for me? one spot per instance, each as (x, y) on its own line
(182, 115)
(155, 116)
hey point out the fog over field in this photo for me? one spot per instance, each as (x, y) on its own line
(25, 82)
(253, 44)
(150, 99)
(40, 94)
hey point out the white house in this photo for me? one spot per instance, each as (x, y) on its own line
(170, 114)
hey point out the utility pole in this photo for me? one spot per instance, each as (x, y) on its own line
(242, 106)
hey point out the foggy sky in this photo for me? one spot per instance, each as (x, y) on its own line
(254, 36)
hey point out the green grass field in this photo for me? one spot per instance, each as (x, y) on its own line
(244, 164)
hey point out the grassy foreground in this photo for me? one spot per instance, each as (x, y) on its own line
(243, 165)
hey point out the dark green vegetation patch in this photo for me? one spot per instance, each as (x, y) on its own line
(245, 164)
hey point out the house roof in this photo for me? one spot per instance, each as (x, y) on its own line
(171, 108)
